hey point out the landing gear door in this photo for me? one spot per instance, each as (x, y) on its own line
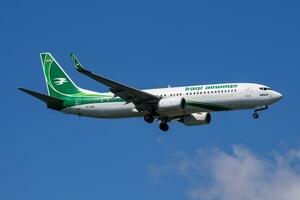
(248, 92)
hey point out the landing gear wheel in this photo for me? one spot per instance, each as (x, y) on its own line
(149, 119)
(255, 115)
(164, 126)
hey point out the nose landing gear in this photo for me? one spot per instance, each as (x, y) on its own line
(255, 114)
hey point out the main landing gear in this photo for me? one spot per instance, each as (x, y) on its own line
(149, 119)
(255, 114)
(163, 122)
(164, 126)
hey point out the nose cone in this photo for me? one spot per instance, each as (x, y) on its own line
(276, 96)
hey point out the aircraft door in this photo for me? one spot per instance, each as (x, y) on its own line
(77, 103)
(248, 92)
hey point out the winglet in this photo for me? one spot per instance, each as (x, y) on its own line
(77, 64)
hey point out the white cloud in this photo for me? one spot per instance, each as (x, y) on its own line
(240, 175)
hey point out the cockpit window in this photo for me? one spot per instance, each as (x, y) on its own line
(265, 88)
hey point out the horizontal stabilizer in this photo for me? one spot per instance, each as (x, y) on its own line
(53, 103)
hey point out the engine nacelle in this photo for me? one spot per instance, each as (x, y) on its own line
(170, 104)
(196, 119)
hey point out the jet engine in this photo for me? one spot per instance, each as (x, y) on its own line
(170, 104)
(196, 119)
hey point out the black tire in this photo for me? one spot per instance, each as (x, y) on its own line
(255, 115)
(164, 127)
(149, 119)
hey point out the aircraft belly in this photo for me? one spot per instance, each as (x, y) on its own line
(105, 110)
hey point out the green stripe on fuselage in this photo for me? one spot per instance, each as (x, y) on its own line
(207, 106)
(83, 100)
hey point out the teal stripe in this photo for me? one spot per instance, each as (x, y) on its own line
(207, 106)
(70, 101)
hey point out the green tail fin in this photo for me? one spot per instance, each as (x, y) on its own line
(59, 84)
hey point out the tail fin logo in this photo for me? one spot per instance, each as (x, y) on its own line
(60, 81)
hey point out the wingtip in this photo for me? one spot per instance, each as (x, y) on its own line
(76, 63)
(79, 69)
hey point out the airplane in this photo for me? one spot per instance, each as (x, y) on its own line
(189, 105)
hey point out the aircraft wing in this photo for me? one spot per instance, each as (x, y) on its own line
(143, 101)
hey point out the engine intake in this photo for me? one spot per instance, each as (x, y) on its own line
(197, 119)
(170, 104)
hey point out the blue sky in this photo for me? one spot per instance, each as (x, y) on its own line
(48, 155)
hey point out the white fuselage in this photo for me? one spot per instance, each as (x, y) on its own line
(200, 98)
